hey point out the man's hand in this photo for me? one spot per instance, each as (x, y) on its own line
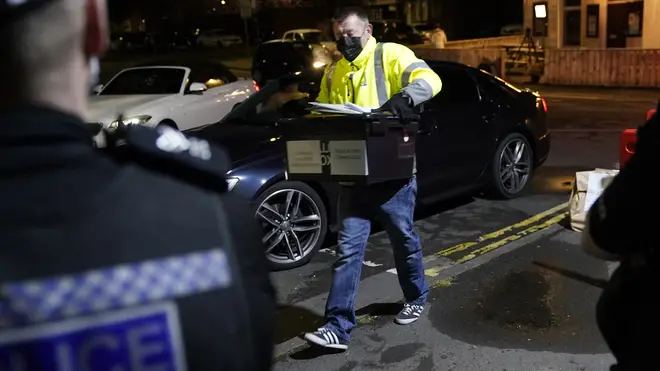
(400, 106)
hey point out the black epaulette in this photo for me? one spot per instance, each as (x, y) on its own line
(167, 151)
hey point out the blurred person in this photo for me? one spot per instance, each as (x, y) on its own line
(391, 78)
(129, 259)
(621, 228)
(438, 37)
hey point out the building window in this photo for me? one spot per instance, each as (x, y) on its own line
(635, 14)
(572, 22)
(593, 20)
(572, 27)
(540, 17)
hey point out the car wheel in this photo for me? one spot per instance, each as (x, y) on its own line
(294, 221)
(512, 167)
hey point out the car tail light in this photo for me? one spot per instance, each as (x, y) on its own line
(650, 114)
(627, 146)
(256, 86)
(545, 105)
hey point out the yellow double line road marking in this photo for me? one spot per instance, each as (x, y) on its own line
(497, 244)
(532, 225)
(501, 232)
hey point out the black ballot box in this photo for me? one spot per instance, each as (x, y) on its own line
(361, 149)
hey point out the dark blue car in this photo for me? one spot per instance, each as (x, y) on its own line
(478, 134)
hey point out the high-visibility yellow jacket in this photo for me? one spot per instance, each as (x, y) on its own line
(380, 71)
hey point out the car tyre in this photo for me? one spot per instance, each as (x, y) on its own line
(287, 233)
(511, 168)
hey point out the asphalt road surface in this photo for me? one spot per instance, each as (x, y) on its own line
(511, 289)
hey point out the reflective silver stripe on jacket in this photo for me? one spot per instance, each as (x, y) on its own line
(405, 78)
(381, 87)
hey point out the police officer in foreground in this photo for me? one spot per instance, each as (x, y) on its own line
(391, 78)
(138, 264)
(622, 227)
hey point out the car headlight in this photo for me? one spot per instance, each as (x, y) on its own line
(318, 64)
(231, 183)
(135, 120)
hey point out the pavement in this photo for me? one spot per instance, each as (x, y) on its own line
(510, 287)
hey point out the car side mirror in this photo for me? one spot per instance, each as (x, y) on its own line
(197, 88)
(97, 89)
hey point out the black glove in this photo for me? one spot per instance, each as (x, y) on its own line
(400, 106)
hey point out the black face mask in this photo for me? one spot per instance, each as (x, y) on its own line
(350, 47)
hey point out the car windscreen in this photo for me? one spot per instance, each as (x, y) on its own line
(284, 54)
(315, 37)
(146, 81)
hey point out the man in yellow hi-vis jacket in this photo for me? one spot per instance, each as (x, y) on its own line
(388, 77)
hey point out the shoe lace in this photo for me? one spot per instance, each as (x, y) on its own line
(408, 309)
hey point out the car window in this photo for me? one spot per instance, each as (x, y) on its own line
(458, 88)
(146, 81)
(288, 36)
(277, 53)
(494, 87)
(212, 75)
(314, 37)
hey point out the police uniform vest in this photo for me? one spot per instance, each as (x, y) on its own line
(120, 260)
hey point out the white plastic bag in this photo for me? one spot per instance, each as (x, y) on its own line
(587, 187)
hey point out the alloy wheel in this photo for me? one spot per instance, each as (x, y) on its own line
(515, 165)
(292, 224)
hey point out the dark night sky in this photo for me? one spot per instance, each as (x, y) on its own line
(461, 18)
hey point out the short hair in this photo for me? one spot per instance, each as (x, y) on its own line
(44, 38)
(345, 12)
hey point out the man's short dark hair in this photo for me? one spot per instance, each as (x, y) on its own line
(342, 13)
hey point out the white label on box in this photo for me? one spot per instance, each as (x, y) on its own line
(304, 157)
(349, 157)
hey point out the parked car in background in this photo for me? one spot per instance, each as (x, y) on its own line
(130, 41)
(276, 58)
(217, 38)
(322, 46)
(398, 32)
(478, 134)
(175, 93)
(311, 35)
(171, 40)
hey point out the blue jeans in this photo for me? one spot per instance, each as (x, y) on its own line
(393, 205)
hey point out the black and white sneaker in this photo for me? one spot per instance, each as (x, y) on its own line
(409, 314)
(326, 338)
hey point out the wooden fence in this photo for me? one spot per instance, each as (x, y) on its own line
(486, 42)
(496, 58)
(603, 67)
